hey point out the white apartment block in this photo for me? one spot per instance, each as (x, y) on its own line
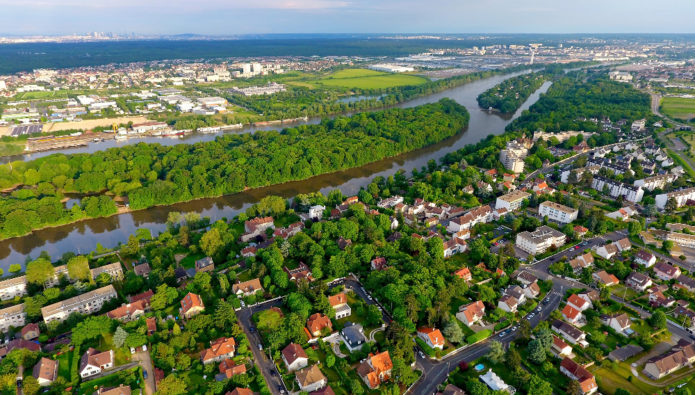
(87, 303)
(511, 201)
(540, 240)
(557, 212)
(681, 197)
(113, 269)
(12, 316)
(9, 289)
(656, 182)
(615, 188)
(59, 271)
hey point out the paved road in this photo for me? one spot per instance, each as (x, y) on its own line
(435, 372)
(265, 364)
(146, 363)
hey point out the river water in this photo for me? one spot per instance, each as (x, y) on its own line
(83, 237)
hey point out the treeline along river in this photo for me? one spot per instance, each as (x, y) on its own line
(82, 237)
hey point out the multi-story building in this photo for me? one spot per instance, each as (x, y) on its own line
(656, 182)
(681, 197)
(616, 188)
(13, 316)
(113, 269)
(9, 289)
(511, 201)
(87, 303)
(557, 212)
(512, 157)
(540, 240)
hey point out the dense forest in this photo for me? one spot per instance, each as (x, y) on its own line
(151, 174)
(572, 100)
(509, 95)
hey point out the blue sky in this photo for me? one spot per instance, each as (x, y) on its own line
(23, 17)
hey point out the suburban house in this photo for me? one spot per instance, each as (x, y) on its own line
(378, 263)
(120, 390)
(508, 303)
(340, 305)
(645, 258)
(247, 288)
(301, 272)
(578, 302)
(662, 365)
(129, 312)
(191, 305)
(666, 272)
(317, 323)
(45, 371)
(144, 296)
(94, 362)
(30, 331)
(222, 348)
(376, 369)
(581, 262)
(560, 348)
(151, 323)
(256, 227)
(572, 315)
(570, 333)
(204, 265)
(618, 322)
(526, 278)
(471, 313)
(454, 246)
(228, 369)
(353, 336)
(658, 299)
(532, 290)
(686, 282)
(607, 251)
(602, 277)
(577, 372)
(432, 337)
(142, 270)
(240, 391)
(464, 274)
(311, 379)
(294, 357)
(248, 252)
(638, 281)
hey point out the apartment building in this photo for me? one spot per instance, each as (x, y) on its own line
(615, 188)
(88, 303)
(9, 289)
(557, 212)
(511, 201)
(512, 157)
(655, 182)
(540, 240)
(681, 197)
(12, 316)
(113, 269)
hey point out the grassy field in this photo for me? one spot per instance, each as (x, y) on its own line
(369, 79)
(679, 108)
(8, 148)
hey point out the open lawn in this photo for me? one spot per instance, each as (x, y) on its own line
(8, 148)
(369, 79)
(610, 378)
(678, 107)
(64, 361)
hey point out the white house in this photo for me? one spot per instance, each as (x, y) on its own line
(94, 362)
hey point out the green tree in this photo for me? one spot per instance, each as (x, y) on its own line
(538, 386)
(658, 320)
(30, 386)
(453, 332)
(39, 271)
(119, 337)
(78, 268)
(536, 352)
(496, 353)
(211, 243)
(171, 385)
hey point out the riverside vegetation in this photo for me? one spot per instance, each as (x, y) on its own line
(151, 174)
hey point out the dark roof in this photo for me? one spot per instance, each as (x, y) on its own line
(625, 352)
(353, 334)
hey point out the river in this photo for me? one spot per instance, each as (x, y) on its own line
(82, 237)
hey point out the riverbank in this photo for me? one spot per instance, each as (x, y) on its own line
(108, 232)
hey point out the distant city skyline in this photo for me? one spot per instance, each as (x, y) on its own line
(218, 17)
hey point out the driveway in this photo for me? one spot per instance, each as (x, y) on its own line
(143, 357)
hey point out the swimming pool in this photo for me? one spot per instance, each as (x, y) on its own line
(479, 367)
